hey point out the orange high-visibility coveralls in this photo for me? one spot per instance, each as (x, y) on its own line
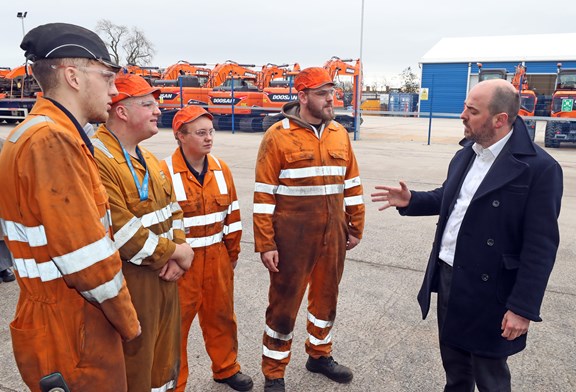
(213, 229)
(307, 199)
(146, 235)
(74, 305)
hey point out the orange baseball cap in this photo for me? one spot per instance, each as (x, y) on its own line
(312, 77)
(132, 85)
(187, 115)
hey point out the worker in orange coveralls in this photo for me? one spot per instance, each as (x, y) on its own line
(148, 223)
(206, 193)
(308, 211)
(74, 306)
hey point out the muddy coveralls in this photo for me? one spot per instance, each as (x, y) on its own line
(213, 229)
(307, 199)
(146, 235)
(74, 305)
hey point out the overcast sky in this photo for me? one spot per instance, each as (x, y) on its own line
(396, 33)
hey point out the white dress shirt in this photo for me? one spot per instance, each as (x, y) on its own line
(483, 160)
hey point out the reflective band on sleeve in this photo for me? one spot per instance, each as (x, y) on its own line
(234, 206)
(203, 220)
(236, 226)
(176, 181)
(105, 291)
(86, 256)
(147, 250)
(319, 323)
(319, 190)
(155, 217)
(178, 224)
(317, 342)
(126, 232)
(221, 182)
(166, 387)
(205, 241)
(353, 200)
(34, 236)
(352, 182)
(169, 234)
(265, 188)
(28, 268)
(277, 335)
(277, 355)
(26, 125)
(314, 171)
(261, 208)
(175, 207)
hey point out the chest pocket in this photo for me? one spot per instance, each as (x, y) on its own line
(339, 155)
(304, 155)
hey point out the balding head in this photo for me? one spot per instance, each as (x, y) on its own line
(502, 97)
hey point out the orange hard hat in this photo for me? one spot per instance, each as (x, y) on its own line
(187, 115)
(132, 85)
(313, 77)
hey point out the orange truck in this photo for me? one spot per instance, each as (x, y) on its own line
(528, 97)
(563, 109)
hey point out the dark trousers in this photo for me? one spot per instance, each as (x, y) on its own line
(463, 369)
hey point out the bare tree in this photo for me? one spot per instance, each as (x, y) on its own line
(126, 44)
(410, 82)
(139, 50)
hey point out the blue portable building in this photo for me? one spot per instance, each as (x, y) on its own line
(450, 70)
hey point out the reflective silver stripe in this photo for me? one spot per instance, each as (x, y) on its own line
(261, 208)
(265, 188)
(317, 342)
(169, 234)
(126, 232)
(352, 182)
(221, 182)
(216, 160)
(176, 181)
(277, 335)
(236, 226)
(99, 144)
(234, 206)
(178, 224)
(169, 385)
(313, 171)
(203, 220)
(105, 291)
(147, 250)
(86, 256)
(28, 268)
(107, 221)
(319, 190)
(319, 323)
(286, 123)
(205, 241)
(277, 355)
(155, 217)
(34, 236)
(353, 200)
(26, 125)
(175, 207)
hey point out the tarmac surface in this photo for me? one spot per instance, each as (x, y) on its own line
(378, 332)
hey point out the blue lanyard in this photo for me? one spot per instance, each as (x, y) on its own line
(142, 189)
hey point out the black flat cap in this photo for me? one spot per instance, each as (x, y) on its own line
(63, 40)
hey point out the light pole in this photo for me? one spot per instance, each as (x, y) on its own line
(359, 82)
(21, 16)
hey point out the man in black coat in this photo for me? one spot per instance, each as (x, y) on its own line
(495, 243)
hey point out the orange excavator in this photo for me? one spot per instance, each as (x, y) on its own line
(528, 97)
(184, 83)
(563, 128)
(20, 94)
(345, 74)
(277, 84)
(149, 73)
(234, 85)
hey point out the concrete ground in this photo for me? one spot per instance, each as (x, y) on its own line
(379, 332)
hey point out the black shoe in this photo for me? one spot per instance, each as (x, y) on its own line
(238, 382)
(274, 385)
(7, 275)
(330, 368)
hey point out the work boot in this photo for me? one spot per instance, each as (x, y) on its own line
(7, 275)
(274, 385)
(238, 382)
(330, 368)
